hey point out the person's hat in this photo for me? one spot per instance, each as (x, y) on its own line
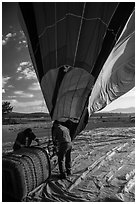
(28, 130)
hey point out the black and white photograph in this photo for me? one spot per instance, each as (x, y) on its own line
(68, 101)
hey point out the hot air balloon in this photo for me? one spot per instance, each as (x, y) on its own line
(82, 52)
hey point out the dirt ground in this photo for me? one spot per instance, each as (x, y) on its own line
(103, 163)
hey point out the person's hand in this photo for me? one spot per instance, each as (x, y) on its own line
(38, 142)
(22, 146)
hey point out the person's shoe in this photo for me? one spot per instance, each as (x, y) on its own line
(62, 176)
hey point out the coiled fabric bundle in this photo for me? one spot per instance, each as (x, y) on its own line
(23, 171)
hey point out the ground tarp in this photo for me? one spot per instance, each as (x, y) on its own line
(103, 162)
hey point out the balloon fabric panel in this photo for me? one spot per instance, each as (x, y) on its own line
(67, 37)
(118, 73)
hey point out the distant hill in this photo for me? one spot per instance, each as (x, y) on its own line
(124, 110)
(28, 115)
(41, 114)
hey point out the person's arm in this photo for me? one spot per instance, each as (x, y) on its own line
(34, 137)
(18, 143)
(20, 140)
(37, 140)
(31, 137)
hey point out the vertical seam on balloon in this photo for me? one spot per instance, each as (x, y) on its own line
(75, 90)
(62, 84)
(113, 14)
(56, 33)
(79, 33)
(88, 47)
(57, 91)
(48, 39)
(107, 29)
(67, 35)
(64, 100)
(66, 97)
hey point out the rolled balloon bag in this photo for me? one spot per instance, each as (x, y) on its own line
(23, 171)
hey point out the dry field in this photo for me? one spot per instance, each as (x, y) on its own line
(103, 162)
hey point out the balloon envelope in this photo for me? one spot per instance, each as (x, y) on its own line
(69, 44)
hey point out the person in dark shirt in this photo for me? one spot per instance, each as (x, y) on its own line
(62, 135)
(62, 142)
(24, 139)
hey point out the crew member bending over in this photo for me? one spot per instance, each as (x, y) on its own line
(24, 139)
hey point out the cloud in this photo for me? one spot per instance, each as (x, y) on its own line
(12, 96)
(33, 106)
(21, 35)
(22, 42)
(22, 94)
(18, 36)
(28, 107)
(12, 101)
(30, 103)
(4, 82)
(10, 86)
(7, 38)
(24, 63)
(35, 86)
(26, 71)
(4, 42)
(9, 35)
(18, 92)
(20, 77)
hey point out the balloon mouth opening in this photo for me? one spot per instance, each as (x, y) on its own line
(67, 68)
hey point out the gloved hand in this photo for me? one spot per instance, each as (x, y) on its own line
(22, 146)
(38, 141)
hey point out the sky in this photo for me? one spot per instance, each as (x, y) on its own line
(19, 82)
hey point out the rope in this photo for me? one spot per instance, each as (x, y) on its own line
(79, 33)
